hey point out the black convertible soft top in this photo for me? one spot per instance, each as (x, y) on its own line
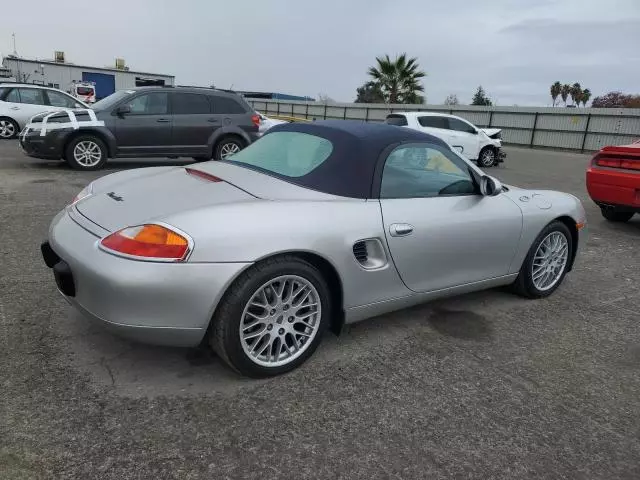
(350, 169)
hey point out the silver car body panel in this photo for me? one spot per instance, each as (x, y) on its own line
(249, 216)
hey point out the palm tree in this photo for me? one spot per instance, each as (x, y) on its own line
(399, 79)
(576, 93)
(555, 91)
(564, 92)
(586, 95)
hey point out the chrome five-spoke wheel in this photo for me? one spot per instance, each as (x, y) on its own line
(8, 129)
(228, 149)
(550, 261)
(280, 320)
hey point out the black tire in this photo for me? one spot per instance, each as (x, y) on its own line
(225, 329)
(201, 159)
(487, 157)
(614, 215)
(8, 128)
(89, 140)
(226, 143)
(524, 284)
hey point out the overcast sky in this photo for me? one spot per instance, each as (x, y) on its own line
(514, 48)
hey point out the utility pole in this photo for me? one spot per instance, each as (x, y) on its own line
(15, 52)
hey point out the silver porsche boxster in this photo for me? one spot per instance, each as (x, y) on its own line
(312, 226)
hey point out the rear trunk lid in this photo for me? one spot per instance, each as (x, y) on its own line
(151, 197)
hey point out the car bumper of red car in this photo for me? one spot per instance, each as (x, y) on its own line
(608, 187)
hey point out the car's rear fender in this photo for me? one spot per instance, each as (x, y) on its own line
(225, 131)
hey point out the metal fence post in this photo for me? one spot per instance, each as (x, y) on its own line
(292, 113)
(586, 132)
(490, 117)
(325, 111)
(451, 111)
(366, 114)
(344, 116)
(533, 131)
(306, 113)
(278, 108)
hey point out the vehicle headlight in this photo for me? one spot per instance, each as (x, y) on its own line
(84, 193)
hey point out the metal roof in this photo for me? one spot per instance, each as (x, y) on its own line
(75, 65)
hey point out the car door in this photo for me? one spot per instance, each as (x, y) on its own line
(440, 230)
(465, 136)
(193, 123)
(146, 128)
(24, 103)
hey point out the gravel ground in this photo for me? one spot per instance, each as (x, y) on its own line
(482, 386)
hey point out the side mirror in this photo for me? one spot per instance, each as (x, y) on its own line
(122, 110)
(489, 186)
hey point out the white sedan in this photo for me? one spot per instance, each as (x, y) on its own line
(481, 145)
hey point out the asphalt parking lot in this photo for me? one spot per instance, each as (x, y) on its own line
(482, 386)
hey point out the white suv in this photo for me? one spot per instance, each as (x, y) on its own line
(21, 101)
(481, 145)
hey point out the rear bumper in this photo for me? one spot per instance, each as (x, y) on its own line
(611, 188)
(159, 303)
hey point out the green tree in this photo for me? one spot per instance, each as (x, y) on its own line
(564, 92)
(481, 98)
(452, 99)
(586, 95)
(370, 92)
(576, 93)
(399, 79)
(556, 87)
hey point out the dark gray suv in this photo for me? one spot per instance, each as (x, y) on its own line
(202, 123)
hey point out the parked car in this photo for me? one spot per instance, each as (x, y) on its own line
(21, 101)
(312, 226)
(267, 122)
(202, 123)
(613, 181)
(482, 145)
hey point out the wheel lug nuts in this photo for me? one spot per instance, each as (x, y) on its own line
(290, 319)
(281, 331)
(273, 311)
(270, 327)
(286, 307)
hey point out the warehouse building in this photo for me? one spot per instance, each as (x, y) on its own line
(59, 74)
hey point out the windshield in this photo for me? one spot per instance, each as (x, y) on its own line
(290, 154)
(84, 90)
(108, 102)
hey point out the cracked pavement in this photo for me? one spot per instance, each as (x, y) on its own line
(487, 385)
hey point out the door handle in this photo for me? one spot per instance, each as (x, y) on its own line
(213, 120)
(163, 120)
(400, 229)
(15, 108)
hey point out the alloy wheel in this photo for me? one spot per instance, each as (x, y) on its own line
(280, 320)
(487, 158)
(87, 153)
(229, 149)
(550, 261)
(7, 129)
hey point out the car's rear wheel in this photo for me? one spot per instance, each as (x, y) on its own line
(547, 262)
(487, 157)
(272, 318)
(614, 215)
(8, 128)
(86, 152)
(227, 147)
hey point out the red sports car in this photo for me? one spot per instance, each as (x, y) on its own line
(613, 181)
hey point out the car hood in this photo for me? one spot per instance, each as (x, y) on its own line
(491, 131)
(148, 196)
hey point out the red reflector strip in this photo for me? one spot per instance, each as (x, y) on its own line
(630, 164)
(129, 246)
(203, 175)
(618, 163)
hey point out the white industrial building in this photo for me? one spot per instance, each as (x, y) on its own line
(60, 74)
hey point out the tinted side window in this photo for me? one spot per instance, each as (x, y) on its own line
(459, 125)
(150, 104)
(33, 96)
(189, 103)
(226, 105)
(399, 120)
(58, 99)
(13, 96)
(434, 122)
(3, 90)
(425, 170)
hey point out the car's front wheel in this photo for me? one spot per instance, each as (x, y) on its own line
(8, 128)
(546, 263)
(86, 152)
(487, 157)
(614, 215)
(272, 318)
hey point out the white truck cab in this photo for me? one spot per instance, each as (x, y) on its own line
(481, 145)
